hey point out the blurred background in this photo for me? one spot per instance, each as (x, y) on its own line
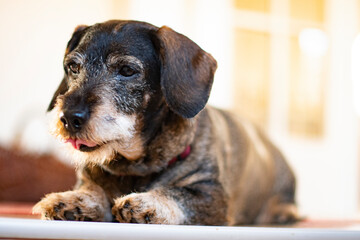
(292, 66)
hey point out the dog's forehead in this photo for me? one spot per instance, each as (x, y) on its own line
(122, 37)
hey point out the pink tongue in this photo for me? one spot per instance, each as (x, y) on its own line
(76, 143)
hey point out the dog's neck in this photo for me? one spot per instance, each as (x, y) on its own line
(173, 140)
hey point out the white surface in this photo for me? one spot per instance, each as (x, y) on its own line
(24, 228)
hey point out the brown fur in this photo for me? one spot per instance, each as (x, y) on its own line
(233, 175)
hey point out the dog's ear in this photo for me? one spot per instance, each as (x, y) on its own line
(75, 39)
(63, 87)
(73, 42)
(187, 72)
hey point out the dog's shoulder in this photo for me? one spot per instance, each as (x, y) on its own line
(223, 121)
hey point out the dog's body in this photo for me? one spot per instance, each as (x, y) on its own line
(130, 105)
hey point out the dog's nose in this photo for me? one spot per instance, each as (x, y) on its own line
(74, 120)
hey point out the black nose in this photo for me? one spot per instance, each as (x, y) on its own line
(74, 120)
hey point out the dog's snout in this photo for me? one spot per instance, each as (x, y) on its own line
(74, 120)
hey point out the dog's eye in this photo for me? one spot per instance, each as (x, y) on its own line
(74, 68)
(127, 71)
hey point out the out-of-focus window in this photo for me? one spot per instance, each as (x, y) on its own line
(261, 27)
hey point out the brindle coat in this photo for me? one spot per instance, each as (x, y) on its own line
(133, 98)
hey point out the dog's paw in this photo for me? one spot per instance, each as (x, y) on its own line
(285, 214)
(280, 213)
(71, 205)
(147, 208)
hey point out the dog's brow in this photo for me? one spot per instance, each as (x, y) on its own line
(115, 58)
(76, 57)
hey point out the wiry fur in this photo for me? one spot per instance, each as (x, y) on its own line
(115, 131)
(141, 93)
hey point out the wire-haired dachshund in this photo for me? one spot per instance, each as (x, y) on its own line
(131, 108)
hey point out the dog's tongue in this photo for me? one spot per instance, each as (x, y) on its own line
(76, 143)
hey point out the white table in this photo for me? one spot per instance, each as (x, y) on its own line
(38, 229)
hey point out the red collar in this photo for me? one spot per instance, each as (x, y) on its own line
(181, 157)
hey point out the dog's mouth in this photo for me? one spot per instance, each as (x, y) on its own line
(82, 145)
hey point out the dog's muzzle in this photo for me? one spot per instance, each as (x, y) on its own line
(74, 121)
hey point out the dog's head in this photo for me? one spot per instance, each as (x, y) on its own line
(121, 77)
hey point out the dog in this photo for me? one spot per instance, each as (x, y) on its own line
(131, 108)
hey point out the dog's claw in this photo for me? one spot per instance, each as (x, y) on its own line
(69, 215)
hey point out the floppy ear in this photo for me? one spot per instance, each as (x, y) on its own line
(187, 72)
(75, 38)
(63, 87)
(73, 42)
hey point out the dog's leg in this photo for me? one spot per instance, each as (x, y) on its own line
(87, 203)
(149, 207)
(175, 205)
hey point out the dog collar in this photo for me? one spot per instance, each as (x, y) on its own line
(181, 157)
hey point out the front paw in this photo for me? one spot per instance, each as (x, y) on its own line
(71, 205)
(147, 208)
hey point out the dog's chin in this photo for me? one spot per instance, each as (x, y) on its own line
(105, 152)
(86, 155)
(84, 148)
